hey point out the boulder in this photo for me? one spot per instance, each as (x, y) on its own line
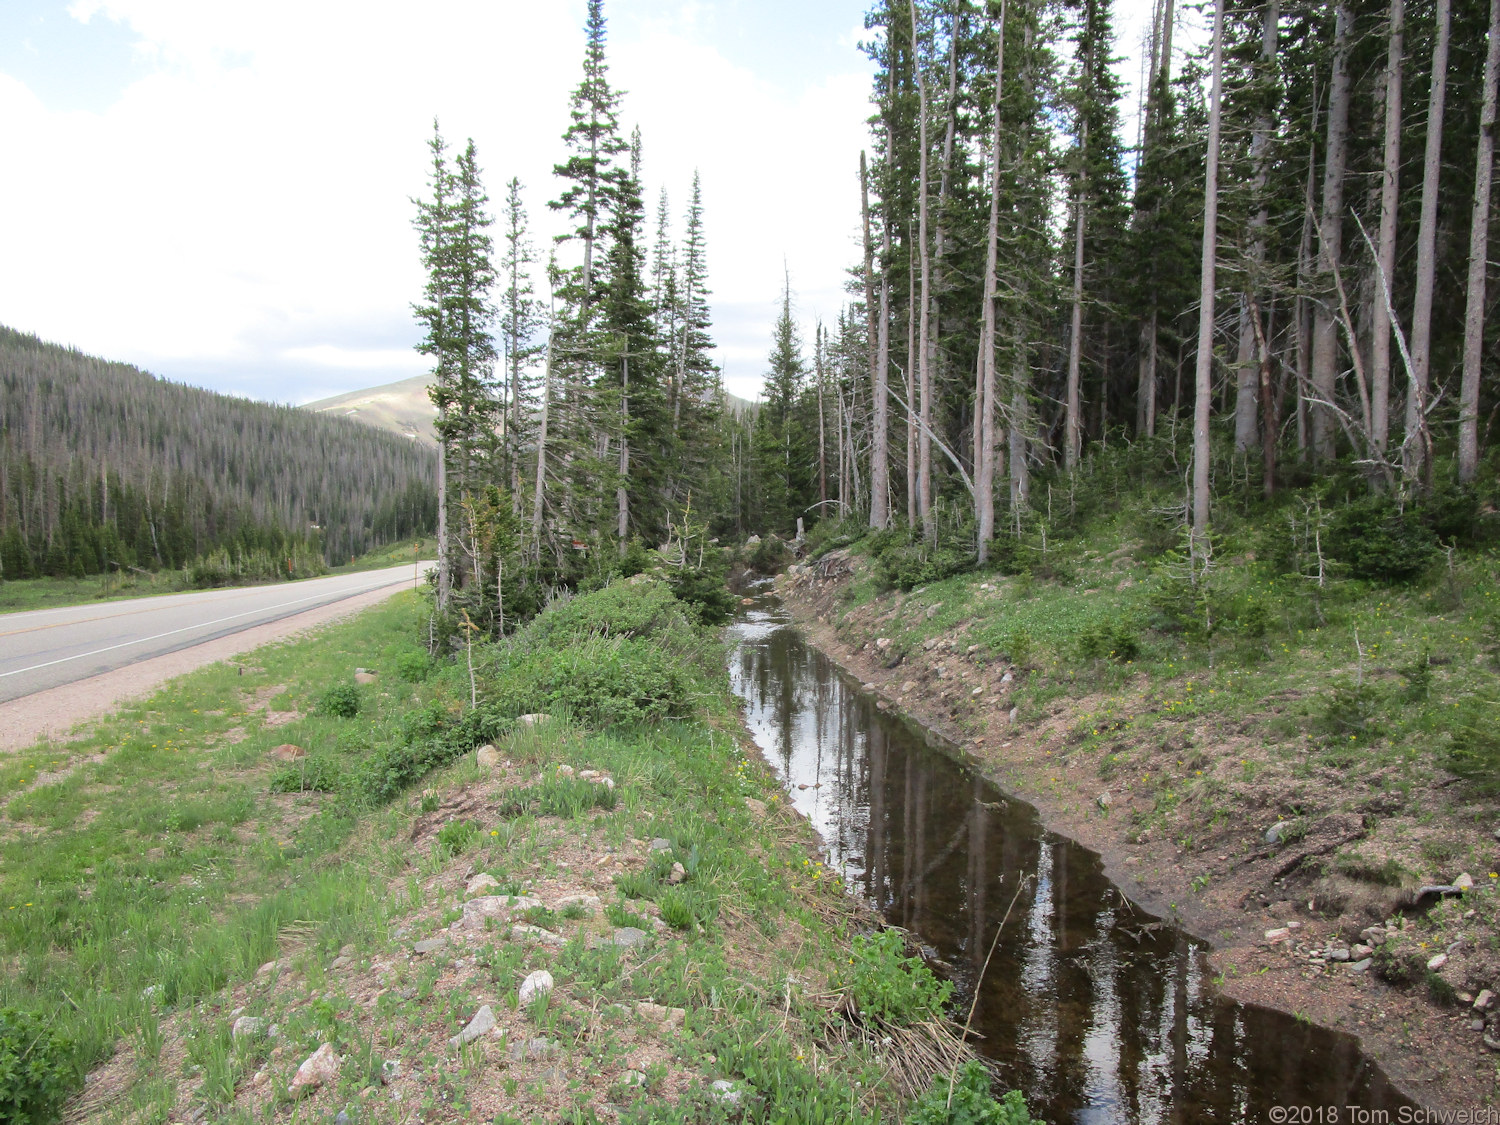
(487, 757)
(499, 907)
(757, 808)
(287, 752)
(321, 1068)
(535, 719)
(628, 937)
(482, 882)
(364, 677)
(659, 1013)
(536, 984)
(483, 1022)
(248, 1027)
(677, 874)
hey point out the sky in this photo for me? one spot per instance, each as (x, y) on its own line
(219, 191)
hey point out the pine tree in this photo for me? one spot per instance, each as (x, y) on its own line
(520, 319)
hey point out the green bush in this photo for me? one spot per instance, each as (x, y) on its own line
(313, 774)
(457, 836)
(704, 589)
(904, 560)
(890, 987)
(641, 608)
(413, 666)
(1474, 746)
(341, 701)
(1351, 713)
(681, 907)
(601, 681)
(1380, 542)
(969, 1102)
(770, 556)
(1113, 638)
(36, 1068)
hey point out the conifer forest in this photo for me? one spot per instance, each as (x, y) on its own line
(104, 468)
(1273, 292)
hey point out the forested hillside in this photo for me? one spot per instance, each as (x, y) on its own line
(104, 466)
(1274, 291)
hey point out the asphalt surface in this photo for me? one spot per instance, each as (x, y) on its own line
(49, 648)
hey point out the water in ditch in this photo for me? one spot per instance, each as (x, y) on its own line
(1094, 1009)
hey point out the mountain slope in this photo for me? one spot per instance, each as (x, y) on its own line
(402, 408)
(103, 466)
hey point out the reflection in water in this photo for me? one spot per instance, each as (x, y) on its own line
(1096, 1017)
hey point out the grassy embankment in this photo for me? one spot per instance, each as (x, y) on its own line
(1334, 672)
(152, 872)
(48, 593)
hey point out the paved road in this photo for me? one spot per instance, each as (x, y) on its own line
(47, 648)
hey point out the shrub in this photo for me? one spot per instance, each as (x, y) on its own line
(1114, 638)
(457, 836)
(770, 556)
(341, 701)
(704, 590)
(413, 666)
(1398, 966)
(681, 907)
(313, 774)
(969, 1102)
(36, 1068)
(890, 987)
(1474, 747)
(1351, 713)
(641, 608)
(1380, 542)
(602, 681)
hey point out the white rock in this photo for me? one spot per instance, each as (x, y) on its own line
(321, 1068)
(1484, 1001)
(882, 643)
(727, 1094)
(534, 720)
(677, 874)
(524, 932)
(487, 757)
(588, 902)
(483, 1021)
(1279, 934)
(537, 984)
(498, 907)
(482, 882)
(659, 1013)
(1464, 882)
(565, 770)
(1104, 800)
(1360, 952)
(1436, 963)
(632, 1078)
(248, 1027)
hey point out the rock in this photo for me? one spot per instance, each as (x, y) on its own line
(342, 1118)
(430, 945)
(757, 808)
(727, 1094)
(1278, 935)
(1492, 1044)
(930, 643)
(753, 541)
(482, 1023)
(1277, 832)
(537, 984)
(1464, 882)
(908, 686)
(882, 643)
(1484, 1001)
(1104, 800)
(661, 845)
(535, 719)
(932, 610)
(287, 752)
(482, 882)
(538, 1048)
(588, 775)
(343, 961)
(1360, 966)
(521, 931)
(867, 687)
(1360, 952)
(1443, 890)
(1007, 678)
(803, 785)
(677, 874)
(632, 1078)
(321, 1068)
(499, 907)
(628, 937)
(248, 1027)
(588, 902)
(390, 1070)
(364, 677)
(1011, 715)
(1476, 1025)
(747, 601)
(1339, 954)
(565, 770)
(1373, 935)
(1436, 963)
(658, 1013)
(487, 757)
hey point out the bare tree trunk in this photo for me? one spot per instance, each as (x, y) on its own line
(1204, 371)
(622, 494)
(984, 397)
(1248, 389)
(445, 570)
(910, 375)
(822, 429)
(1414, 458)
(1385, 264)
(1020, 421)
(1072, 424)
(1302, 309)
(878, 342)
(1330, 240)
(924, 369)
(540, 492)
(1268, 419)
(1479, 250)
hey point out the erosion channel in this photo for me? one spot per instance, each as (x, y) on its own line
(1096, 1010)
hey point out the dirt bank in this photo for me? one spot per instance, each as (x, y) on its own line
(1303, 921)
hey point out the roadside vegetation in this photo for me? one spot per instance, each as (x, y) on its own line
(259, 862)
